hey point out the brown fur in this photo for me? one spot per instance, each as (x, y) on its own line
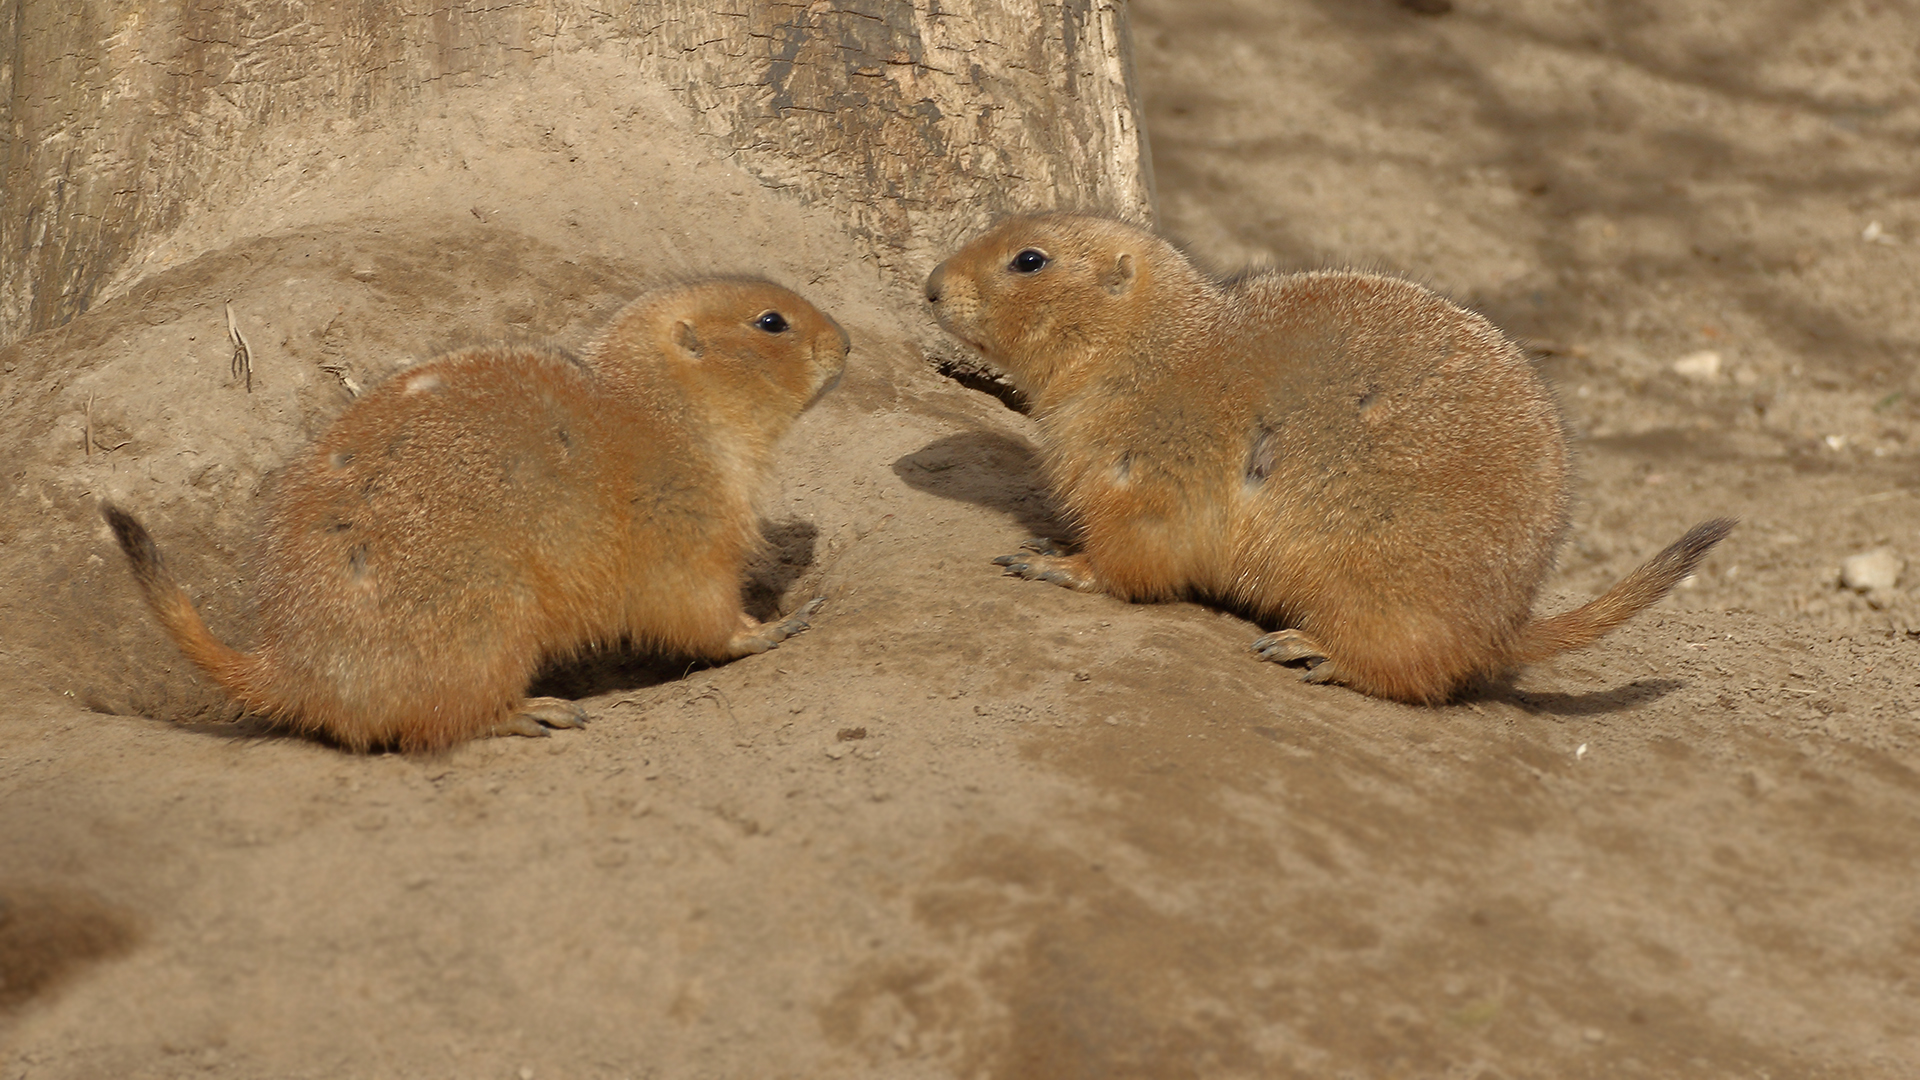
(1343, 454)
(494, 507)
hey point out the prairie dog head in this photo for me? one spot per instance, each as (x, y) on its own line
(1044, 294)
(760, 348)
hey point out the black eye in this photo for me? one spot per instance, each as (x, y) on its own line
(772, 322)
(1028, 262)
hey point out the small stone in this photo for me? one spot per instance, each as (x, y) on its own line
(1702, 366)
(1875, 570)
(1594, 1035)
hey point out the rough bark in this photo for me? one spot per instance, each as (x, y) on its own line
(912, 121)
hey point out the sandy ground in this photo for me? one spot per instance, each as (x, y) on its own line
(970, 826)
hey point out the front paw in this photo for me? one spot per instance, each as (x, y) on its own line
(1293, 647)
(537, 715)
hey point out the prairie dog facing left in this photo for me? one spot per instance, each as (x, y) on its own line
(484, 511)
(1346, 455)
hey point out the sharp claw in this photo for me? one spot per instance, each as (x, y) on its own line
(1044, 545)
(1290, 647)
(550, 712)
(521, 724)
(758, 638)
(1321, 672)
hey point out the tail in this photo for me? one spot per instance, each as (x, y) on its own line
(1583, 625)
(233, 670)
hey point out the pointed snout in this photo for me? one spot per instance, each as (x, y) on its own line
(846, 343)
(831, 347)
(934, 282)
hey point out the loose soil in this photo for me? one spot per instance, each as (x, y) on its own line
(971, 826)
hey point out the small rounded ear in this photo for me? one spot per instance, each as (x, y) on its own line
(1118, 277)
(686, 339)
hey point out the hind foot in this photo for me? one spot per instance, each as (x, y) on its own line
(1050, 562)
(538, 714)
(757, 637)
(1294, 647)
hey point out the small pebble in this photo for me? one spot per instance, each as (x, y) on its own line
(1594, 1035)
(1874, 570)
(1701, 366)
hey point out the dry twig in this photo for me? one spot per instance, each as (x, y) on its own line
(242, 355)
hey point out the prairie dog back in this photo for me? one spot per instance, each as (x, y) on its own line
(496, 506)
(1347, 455)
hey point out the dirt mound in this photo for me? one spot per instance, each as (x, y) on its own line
(973, 826)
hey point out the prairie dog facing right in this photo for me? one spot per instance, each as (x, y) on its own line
(1346, 455)
(481, 512)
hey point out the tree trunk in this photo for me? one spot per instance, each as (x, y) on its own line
(911, 122)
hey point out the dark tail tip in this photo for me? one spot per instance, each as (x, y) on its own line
(134, 540)
(1685, 553)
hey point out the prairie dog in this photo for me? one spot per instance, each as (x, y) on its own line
(1342, 454)
(496, 506)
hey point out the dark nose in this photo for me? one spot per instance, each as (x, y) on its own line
(933, 283)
